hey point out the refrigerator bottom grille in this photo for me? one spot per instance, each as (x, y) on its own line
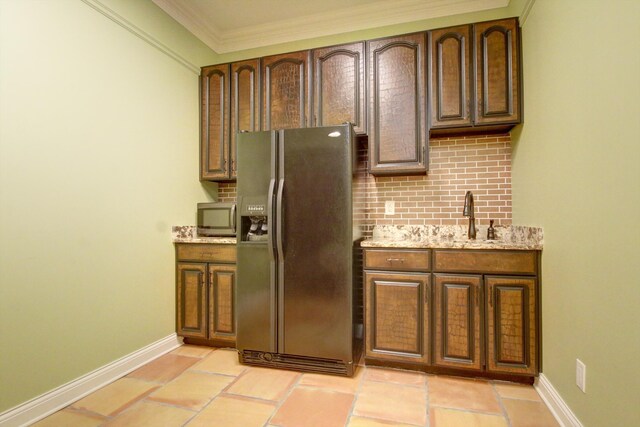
(296, 363)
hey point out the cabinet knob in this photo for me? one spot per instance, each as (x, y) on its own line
(392, 260)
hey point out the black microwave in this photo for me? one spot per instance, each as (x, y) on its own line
(216, 219)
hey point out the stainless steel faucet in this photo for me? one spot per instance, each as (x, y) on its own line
(469, 212)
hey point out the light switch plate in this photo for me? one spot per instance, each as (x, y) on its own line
(581, 375)
(389, 207)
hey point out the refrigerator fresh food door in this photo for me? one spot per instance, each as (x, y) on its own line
(314, 242)
(256, 290)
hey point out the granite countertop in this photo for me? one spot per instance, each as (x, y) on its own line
(454, 237)
(188, 234)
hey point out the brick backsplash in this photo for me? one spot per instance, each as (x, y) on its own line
(481, 164)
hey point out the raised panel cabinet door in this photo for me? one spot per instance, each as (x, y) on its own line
(457, 324)
(397, 316)
(339, 86)
(397, 116)
(497, 72)
(191, 300)
(214, 143)
(511, 307)
(245, 102)
(285, 90)
(222, 282)
(450, 77)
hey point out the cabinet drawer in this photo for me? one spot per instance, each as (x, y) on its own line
(507, 262)
(404, 260)
(206, 252)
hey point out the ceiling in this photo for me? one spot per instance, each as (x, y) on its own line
(232, 25)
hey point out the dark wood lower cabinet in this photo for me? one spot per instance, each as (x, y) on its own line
(457, 325)
(205, 306)
(397, 316)
(481, 320)
(511, 325)
(191, 300)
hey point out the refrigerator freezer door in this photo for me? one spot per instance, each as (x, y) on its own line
(256, 288)
(315, 268)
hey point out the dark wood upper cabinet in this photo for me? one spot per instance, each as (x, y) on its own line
(450, 77)
(497, 72)
(339, 86)
(214, 142)
(397, 91)
(286, 90)
(245, 102)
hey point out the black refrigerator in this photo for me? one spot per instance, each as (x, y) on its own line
(295, 280)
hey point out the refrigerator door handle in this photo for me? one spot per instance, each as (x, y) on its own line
(280, 216)
(270, 196)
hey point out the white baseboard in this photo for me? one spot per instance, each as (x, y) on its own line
(56, 399)
(556, 404)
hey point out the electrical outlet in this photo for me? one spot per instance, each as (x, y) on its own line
(581, 375)
(389, 207)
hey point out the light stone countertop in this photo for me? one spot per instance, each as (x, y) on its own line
(454, 237)
(189, 234)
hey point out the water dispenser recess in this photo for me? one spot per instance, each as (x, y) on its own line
(255, 229)
(254, 220)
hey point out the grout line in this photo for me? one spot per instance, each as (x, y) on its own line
(501, 403)
(285, 397)
(428, 408)
(356, 393)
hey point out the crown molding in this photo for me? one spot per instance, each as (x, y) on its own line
(525, 11)
(140, 33)
(331, 22)
(192, 21)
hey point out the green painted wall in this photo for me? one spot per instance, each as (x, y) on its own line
(576, 172)
(98, 158)
(514, 8)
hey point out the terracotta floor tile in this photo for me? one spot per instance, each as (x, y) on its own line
(68, 417)
(442, 417)
(264, 383)
(192, 390)
(312, 407)
(234, 411)
(151, 414)
(192, 350)
(116, 396)
(164, 368)
(517, 391)
(392, 402)
(523, 413)
(370, 422)
(334, 382)
(396, 376)
(221, 362)
(459, 393)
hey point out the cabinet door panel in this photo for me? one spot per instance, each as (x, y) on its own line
(511, 322)
(397, 131)
(191, 300)
(286, 87)
(222, 323)
(245, 102)
(397, 316)
(498, 68)
(339, 86)
(450, 76)
(214, 145)
(457, 336)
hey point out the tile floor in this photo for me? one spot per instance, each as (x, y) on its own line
(200, 386)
